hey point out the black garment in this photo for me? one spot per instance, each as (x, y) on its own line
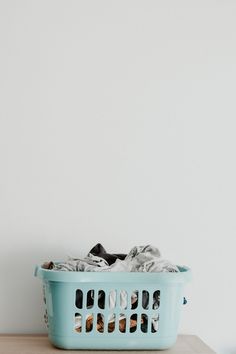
(100, 251)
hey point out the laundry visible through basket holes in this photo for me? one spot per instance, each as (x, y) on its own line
(139, 259)
(122, 317)
(111, 324)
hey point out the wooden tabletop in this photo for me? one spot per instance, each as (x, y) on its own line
(39, 344)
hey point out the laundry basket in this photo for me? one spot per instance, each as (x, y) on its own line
(74, 323)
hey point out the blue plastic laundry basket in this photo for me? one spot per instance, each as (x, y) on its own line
(61, 289)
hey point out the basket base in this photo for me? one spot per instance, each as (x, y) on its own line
(118, 343)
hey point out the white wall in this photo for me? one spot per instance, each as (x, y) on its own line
(117, 124)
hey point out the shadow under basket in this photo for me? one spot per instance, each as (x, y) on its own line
(113, 310)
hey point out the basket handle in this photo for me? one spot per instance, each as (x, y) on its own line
(38, 272)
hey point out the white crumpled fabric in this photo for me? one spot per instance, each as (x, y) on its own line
(139, 259)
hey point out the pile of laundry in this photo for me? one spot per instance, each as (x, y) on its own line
(139, 259)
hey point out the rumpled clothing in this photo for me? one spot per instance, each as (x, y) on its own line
(90, 263)
(139, 259)
(100, 251)
(144, 259)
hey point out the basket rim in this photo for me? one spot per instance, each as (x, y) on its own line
(183, 276)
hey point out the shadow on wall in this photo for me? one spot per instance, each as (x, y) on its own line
(21, 298)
